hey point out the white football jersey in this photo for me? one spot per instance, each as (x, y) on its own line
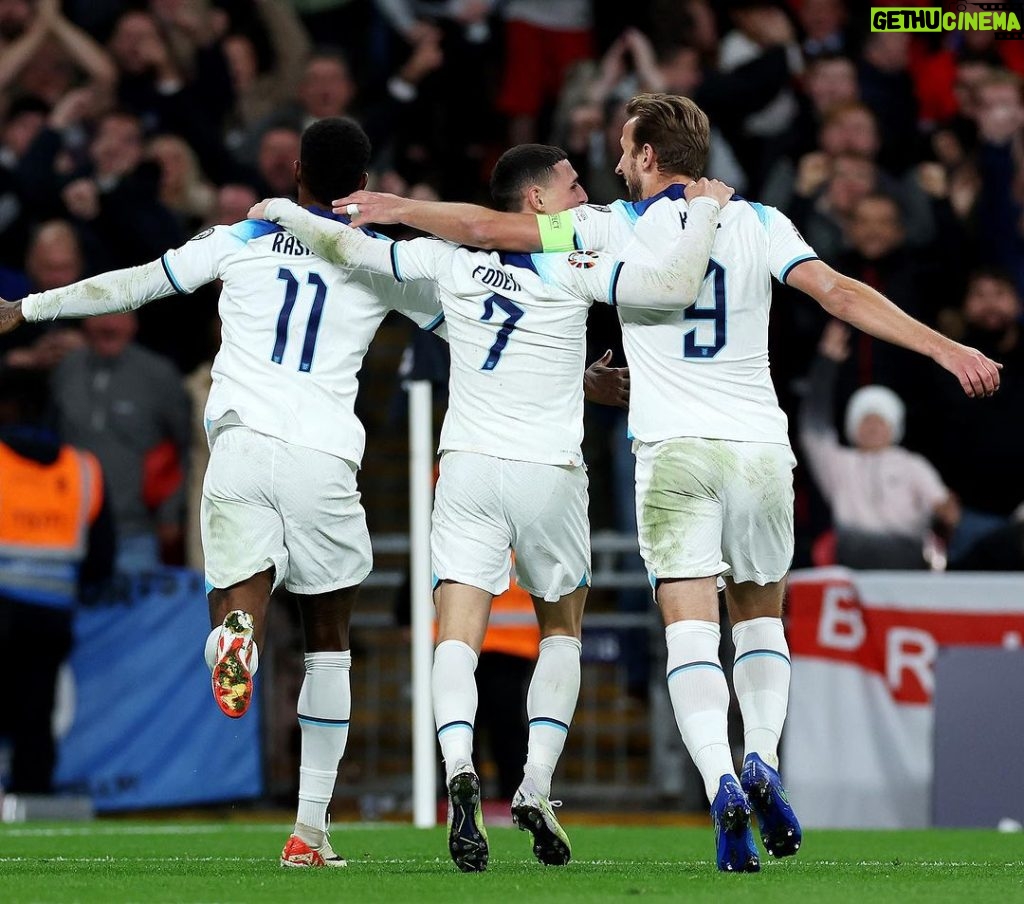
(517, 330)
(702, 371)
(294, 331)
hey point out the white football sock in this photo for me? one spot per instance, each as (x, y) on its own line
(453, 686)
(325, 705)
(760, 675)
(550, 704)
(700, 698)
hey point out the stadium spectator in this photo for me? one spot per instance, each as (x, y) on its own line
(758, 25)
(327, 89)
(169, 97)
(57, 538)
(823, 24)
(542, 40)
(198, 385)
(24, 120)
(232, 204)
(112, 195)
(38, 44)
(128, 407)
(887, 88)
(258, 93)
(883, 498)
(991, 433)
(183, 189)
(999, 210)
(828, 82)
(279, 149)
(54, 259)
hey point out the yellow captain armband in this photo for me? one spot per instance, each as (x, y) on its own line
(557, 231)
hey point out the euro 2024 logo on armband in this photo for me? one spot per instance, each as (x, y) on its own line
(583, 260)
(1003, 18)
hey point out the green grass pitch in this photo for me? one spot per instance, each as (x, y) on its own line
(112, 861)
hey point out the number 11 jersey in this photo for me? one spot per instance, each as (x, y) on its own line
(294, 332)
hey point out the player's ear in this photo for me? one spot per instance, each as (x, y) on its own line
(298, 172)
(535, 198)
(363, 179)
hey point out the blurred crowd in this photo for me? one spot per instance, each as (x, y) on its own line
(127, 127)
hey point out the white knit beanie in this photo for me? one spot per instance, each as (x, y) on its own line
(875, 400)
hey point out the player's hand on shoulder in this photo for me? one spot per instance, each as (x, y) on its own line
(259, 210)
(710, 188)
(606, 385)
(10, 315)
(978, 374)
(371, 207)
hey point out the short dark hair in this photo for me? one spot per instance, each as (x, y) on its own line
(334, 154)
(520, 167)
(676, 128)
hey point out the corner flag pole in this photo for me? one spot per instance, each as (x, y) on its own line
(421, 495)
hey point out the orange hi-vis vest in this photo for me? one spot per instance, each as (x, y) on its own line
(45, 514)
(513, 626)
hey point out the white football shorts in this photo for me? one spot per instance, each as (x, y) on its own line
(708, 507)
(485, 507)
(267, 503)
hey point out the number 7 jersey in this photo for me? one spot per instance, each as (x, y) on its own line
(517, 327)
(703, 371)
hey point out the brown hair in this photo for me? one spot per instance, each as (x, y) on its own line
(676, 128)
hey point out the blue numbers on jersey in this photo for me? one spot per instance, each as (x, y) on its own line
(691, 347)
(514, 312)
(291, 291)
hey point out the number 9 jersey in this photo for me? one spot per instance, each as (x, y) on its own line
(703, 371)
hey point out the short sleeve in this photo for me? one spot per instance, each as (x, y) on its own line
(200, 259)
(588, 275)
(425, 258)
(786, 247)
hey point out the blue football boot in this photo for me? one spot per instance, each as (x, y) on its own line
(733, 839)
(780, 829)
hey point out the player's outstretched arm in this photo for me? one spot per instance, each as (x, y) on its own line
(328, 239)
(861, 306)
(108, 293)
(463, 224)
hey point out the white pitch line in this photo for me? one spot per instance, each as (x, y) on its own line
(133, 859)
(85, 831)
(421, 861)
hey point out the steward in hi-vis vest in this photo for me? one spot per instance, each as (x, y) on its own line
(56, 537)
